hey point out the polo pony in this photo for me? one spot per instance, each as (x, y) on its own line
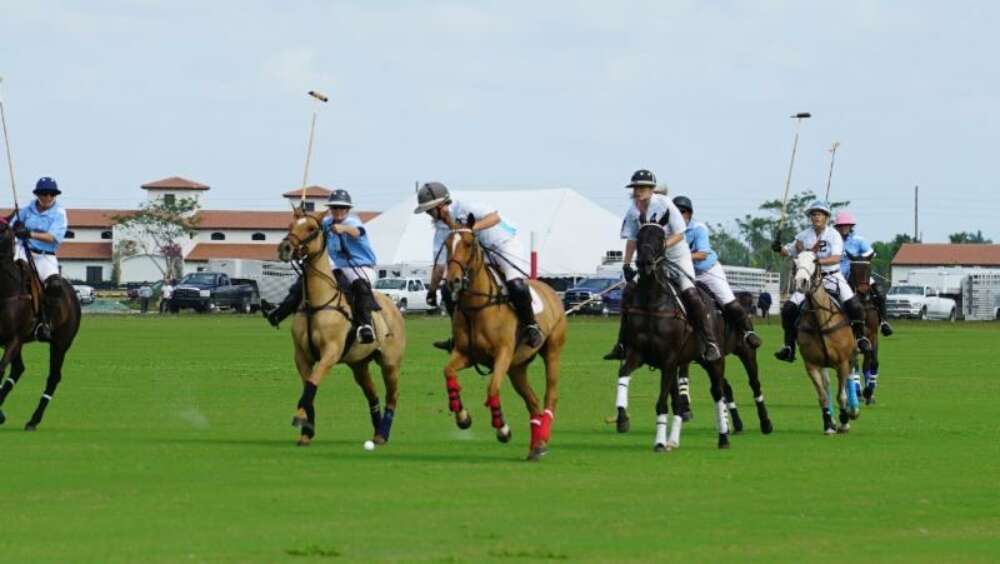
(826, 341)
(658, 334)
(17, 322)
(486, 333)
(322, 332)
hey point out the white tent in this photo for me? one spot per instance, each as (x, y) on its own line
(572, 234)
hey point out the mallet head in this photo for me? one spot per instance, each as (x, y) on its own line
(802, 115)
(319, 96)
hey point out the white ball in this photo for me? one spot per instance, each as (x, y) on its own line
(369, 445)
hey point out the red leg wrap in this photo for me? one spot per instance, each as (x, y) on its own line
(493, 402)
(536, 430)
(454, 397)
(546, 427)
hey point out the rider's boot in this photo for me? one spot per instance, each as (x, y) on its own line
(879, 300)
(449, 306)
(52, 294)
(618, 351)
(362, 303)
(856, 313)
(738, 318)
(520, 297)
(702, 323)
(276, 313)
(789, 317)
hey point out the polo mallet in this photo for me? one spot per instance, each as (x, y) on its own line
(788, 182)
(320, 97)
(6, 142)
(829, 178)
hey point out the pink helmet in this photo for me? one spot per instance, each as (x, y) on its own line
(844, 218)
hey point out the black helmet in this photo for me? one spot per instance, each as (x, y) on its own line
(431, 195)
(642, 178)
(684, 203)
(46, 185)
(340, 198)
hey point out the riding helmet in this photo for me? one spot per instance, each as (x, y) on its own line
(46, 185)
(819, 205)
(431, 195)
(340, 198)
(684, 203)
(844, 217)
(642, 178)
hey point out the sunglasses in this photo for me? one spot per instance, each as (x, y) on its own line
(337, 208)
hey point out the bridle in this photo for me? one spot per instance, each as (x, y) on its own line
(300, 246)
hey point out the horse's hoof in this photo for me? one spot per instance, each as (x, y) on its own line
(855, 413)
(624, 424)
(463, 419)
(304, 441)
(504, 434)
(379, 439)
(537, 453)
(844, 429)
(723, 440)
(687, 416)
(737, 421)
(830, 431)
(671, 445)
(30, 426)
(660, 448)
(766, 427)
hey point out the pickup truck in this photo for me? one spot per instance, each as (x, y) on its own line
(919, 302)
(209, 291)
(410, 294)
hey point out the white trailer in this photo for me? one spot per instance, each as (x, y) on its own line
(981, 295)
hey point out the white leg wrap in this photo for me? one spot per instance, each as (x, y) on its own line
(661, 429)
(47, 397)
(759, 399)
(721, 422)
(675, 431)
(622, 398)
(731, 405)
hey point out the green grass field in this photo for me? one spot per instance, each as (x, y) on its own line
(169, 441)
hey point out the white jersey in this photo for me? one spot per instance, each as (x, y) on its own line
(829, 243)
(658, 205)
(492, 238)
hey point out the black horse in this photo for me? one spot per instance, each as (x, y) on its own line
(18, 319)
(658, 334)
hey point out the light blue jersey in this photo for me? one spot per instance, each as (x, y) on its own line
(52, 221)
(346, 251)
(696, 236)
(854, 246)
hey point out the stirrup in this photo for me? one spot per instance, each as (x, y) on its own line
(366, 334)
(533, 335)
(864, 345)
(886, 328)
(712, 352)
(785, 353)
(617, 352)
(752, 339)
(43, 333)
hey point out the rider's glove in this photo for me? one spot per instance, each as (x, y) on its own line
(629, 272)
(776, 246)
(22, 232)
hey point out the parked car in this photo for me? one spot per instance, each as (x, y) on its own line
(584, 290)
(84, 293)
(208, 291)
(919, 302)
(410, 294)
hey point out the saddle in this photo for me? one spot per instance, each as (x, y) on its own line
(32, 286)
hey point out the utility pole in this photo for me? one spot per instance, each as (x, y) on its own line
(916, 216)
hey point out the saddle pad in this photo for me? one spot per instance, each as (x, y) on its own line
(537, 305)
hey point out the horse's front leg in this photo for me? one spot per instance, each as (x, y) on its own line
(843, 381)
(501, 364)
(12, 358)
(748, 357)
(628, 366)
(312, 375)
(716, 376)
(456, 362)
(57, 355)
(818, 381)
(669, 389)
(363, 378)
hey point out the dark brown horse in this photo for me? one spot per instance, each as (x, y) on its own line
(485, 331)
(18, 318)
(861, 281)
(658, 334)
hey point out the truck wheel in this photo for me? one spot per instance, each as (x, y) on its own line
(402, 306)
(923, 313)
(244, 307)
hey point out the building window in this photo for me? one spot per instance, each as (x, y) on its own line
(309, 206)
(106, 235)
(258, 237)
(218, 236)
(169, 199)
(69, 235)
(95, 275)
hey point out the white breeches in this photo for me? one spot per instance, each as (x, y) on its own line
(835, 284)
(715, 279)
(512, 252)
(47, 265)
(352, 273)
(680, 259)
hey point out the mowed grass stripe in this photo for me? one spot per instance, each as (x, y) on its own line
(169, 440)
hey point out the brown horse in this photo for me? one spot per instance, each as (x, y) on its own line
(485, 331)
(17, 323)
(825, 339)
(860, 281)
(322, 332)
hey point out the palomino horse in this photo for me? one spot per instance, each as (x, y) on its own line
(323, 336)
(17, 323)
(485, 330)
(658, 334)
(825, 339)
(860, 280)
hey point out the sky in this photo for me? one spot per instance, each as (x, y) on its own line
(105, 96)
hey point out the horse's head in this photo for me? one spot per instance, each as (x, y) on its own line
(861, 273)
(650, 243)
(6, 241)
(305, 238)
(464, 256)
(805, 271)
